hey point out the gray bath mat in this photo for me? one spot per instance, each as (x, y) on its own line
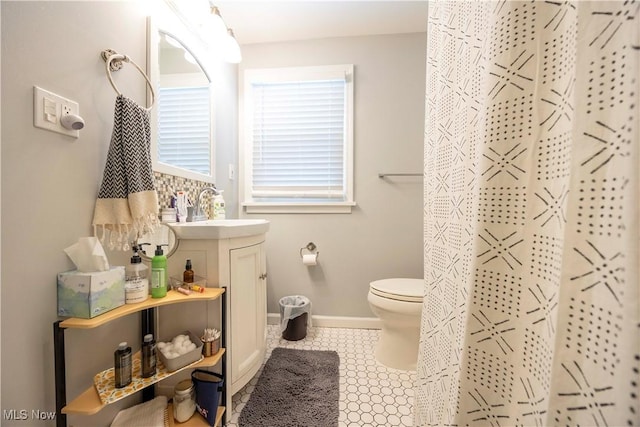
(297, 388)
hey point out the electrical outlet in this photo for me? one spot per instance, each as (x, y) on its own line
(48, 109)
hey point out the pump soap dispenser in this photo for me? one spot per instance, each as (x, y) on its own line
(218, 206)
(136, 285)
(159, 273)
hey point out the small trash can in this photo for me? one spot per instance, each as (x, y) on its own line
(208, 388)
(294, 315)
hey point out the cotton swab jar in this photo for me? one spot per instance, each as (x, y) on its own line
(184, 401)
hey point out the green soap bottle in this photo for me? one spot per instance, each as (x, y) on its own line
(159, 273)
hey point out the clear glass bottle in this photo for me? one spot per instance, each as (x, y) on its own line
(136, 285)
(184, 401)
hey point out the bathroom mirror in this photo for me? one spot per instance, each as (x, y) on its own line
(182, 119)
(163, 235)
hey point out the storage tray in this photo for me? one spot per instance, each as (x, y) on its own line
(185, 359)
(176, 282)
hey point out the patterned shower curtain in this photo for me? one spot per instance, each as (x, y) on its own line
(531, 312)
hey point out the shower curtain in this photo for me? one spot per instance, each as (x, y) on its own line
(531, 309)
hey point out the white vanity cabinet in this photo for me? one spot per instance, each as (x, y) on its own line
(248, 302)
(239, 263)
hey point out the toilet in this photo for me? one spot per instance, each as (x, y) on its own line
(398, 304)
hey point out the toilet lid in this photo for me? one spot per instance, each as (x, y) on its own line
(410, 290)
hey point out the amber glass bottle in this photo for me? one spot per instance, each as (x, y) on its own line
(187, 276)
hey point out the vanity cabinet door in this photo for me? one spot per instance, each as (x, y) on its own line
(248, 312)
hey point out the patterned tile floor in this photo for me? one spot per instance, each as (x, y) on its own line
(370, 394)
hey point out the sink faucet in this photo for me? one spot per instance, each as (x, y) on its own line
(198, 213)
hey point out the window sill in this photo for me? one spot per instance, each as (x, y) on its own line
(298, 208)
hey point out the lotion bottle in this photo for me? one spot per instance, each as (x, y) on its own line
(159, 273)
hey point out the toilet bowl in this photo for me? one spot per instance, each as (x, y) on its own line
(398, 304)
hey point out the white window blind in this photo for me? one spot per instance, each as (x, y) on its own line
(298, 139)
(184, 131)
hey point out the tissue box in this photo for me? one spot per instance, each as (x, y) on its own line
(87, 295)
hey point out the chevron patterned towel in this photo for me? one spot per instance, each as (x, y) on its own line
(127, 203)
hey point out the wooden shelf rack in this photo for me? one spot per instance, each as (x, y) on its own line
(89, 402)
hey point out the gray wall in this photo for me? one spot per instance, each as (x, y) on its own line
(382, 237)
(49, 185)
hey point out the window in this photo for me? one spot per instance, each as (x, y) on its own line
(298, 139)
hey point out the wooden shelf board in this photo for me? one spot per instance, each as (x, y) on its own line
(89, 403)
(209, 361)
(172, 297)
(196, 420)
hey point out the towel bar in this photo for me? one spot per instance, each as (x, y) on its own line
(383, 175)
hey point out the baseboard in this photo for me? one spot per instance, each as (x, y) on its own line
(334, 321)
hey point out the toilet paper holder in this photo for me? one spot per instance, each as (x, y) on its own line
(311, 247)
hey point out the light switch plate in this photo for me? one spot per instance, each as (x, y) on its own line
(48, 108)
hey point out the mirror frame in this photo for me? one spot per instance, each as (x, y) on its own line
(149, 239)
(171, 25)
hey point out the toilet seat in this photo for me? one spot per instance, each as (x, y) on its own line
(406, 290)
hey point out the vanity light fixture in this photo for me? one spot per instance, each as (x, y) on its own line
(223, 36)
(218, 28)
(194, 10)
(210, 28)
(232, 51)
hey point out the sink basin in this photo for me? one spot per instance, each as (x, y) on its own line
(220, 228)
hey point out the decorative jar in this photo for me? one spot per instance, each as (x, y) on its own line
(184, 401)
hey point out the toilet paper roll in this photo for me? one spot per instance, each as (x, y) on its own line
(310, 259)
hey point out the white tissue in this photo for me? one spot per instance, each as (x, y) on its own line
(88, 255)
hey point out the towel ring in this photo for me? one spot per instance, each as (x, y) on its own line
(113, 62)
